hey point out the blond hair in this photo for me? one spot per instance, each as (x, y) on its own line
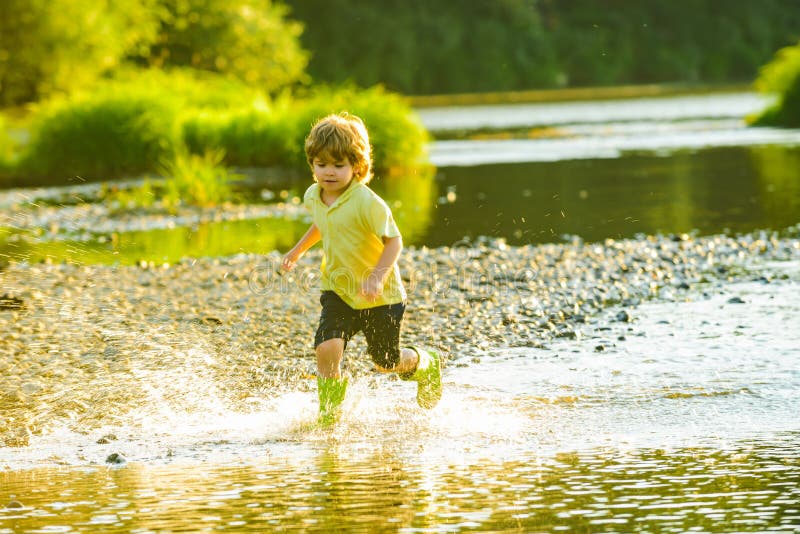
(342, 136)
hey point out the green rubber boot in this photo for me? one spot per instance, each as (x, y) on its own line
(428, 376)
(331, 395)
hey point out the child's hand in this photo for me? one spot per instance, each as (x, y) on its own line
(289, 261)
(372, 288)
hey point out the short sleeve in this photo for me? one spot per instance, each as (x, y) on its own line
(380, 219)
(308, 197)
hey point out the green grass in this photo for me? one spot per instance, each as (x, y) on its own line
(199, 180)
(781, 77)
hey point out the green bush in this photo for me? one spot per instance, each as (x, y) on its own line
(6, 151)
(270, 135)
(254, 136)
(781, 78)
(190, 87)
(108, 136)
(196, 180)
(6, 146)
(131, 126)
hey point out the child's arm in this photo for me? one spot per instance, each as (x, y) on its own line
(311, 238)
(373, 285)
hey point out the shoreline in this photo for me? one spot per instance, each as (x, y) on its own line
(575, 94)
(248, 331)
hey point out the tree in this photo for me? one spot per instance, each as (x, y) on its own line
(249, 39)
(49, 46)
(419, 46)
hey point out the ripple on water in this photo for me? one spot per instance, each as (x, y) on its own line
(753, 485)
(686, 426)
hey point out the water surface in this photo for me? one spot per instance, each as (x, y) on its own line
(686, 419)
(716, 190)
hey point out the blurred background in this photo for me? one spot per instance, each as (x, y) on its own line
(635, 112)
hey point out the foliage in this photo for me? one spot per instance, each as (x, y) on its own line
(249, 39)
(191, 87)
(190, 179)
(781, 77)
(125, 129)
(252, 136)
(50, 46)
(419, 46)
(106, 136)
(422, 47)
(6, 150)
(273, 134)
(667, 40)
(6, 145)
(199, 180)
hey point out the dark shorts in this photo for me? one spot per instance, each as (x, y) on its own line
(381, 327)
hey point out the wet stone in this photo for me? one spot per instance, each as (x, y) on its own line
(10, 302)
(115, 459)
(623, 317)
(108, 438)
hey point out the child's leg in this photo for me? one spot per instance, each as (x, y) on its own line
(407, 363)
(424, 366)
(381, 326)
(331, 387)
(329, 358)
(335, 328)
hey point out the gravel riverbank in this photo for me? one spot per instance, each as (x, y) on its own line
(85, 346)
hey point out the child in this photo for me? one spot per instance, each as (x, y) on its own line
(361, 285)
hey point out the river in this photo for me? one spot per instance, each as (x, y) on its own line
(681, 417)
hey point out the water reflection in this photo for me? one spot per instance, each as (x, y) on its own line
(737, 189)
(752, 486)
(162, 245)
(726, 189)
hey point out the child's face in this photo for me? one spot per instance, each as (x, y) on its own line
(333, 176)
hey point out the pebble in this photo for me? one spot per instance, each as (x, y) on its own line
(623, 317)
(108, 438)
(116, 459)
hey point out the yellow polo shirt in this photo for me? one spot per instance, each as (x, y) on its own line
(352, 229)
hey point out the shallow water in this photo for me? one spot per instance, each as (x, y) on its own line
(731, 189)
(685, 419)
(652, 110)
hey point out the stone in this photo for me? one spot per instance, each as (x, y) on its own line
(115, 458)
(623, 317)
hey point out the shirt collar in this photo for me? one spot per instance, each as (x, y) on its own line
(343, 197)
